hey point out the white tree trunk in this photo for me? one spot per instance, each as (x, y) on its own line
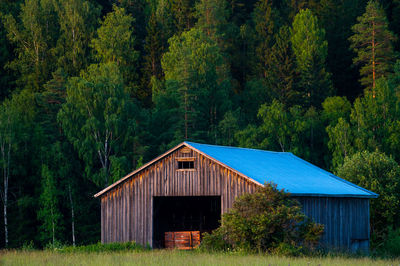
(72, 215)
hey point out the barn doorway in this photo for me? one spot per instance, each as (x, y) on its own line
(184, 213)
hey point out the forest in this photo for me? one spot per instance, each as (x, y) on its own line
(92, 89)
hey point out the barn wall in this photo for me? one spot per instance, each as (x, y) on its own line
(346, 220)
(126, 210)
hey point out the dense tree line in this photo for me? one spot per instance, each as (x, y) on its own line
(91, 89)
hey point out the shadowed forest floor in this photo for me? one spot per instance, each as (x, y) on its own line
(164, 257)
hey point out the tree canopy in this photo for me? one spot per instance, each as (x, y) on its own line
(90, 90)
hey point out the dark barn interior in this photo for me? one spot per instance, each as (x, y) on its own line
(194, 213)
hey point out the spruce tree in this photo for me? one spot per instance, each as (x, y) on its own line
(159, 29)
(281, 71)
(372, 41)
(310, 49)
(212, 17)
(264, 24)
(182, 11)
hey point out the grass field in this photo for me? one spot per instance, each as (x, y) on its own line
(164, 257)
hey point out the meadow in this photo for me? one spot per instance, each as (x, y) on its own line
(174, 257)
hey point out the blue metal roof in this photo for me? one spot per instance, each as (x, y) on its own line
(288, 171)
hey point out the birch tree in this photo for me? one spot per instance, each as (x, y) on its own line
(99, 119)
(16, 115)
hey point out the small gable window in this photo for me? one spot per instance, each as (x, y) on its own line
(185, 163)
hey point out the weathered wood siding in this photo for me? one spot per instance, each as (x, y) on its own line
(126, 210)
(346, 220)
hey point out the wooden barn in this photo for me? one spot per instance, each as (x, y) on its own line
(191, 185)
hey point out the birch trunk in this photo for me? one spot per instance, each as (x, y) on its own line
(72, 214)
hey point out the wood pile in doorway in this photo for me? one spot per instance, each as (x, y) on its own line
(182, 239)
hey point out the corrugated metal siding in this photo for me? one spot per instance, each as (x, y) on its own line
(346, 220)
(127, 208)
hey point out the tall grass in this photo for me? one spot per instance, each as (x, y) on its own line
(174, 257)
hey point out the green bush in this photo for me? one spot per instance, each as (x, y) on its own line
(111, 247)
(28, 246)
(54, 245)
(391, 246)
(266, 221)
(381, 174)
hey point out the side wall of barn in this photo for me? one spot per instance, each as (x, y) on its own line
(346, 220)
(126, 210)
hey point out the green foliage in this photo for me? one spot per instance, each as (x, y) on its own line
(340, 141)
(375, 117)
(293, 129)
(264, 25)
(182, 11)
(99, 118)
(379, 173)
(197, 78)
(78, 21)
(159, 30)
(212, 17)
(336, 113)
(391, 244)
(28, 246)
(115, 43)
(16, 117)
(281, 78)
(265, 221)
(34, 34)
(246, 73)
(310, 49)
(49, 212)
(372, 41)
(334, 108)
(99, 247)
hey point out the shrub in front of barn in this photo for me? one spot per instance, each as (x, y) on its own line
(266, 221)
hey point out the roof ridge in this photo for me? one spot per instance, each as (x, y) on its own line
(333, 176)
(242, 148)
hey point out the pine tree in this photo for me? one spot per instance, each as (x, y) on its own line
(310, 49)
(373, 43)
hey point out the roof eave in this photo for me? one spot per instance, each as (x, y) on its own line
(372, 196)
(140, 169)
